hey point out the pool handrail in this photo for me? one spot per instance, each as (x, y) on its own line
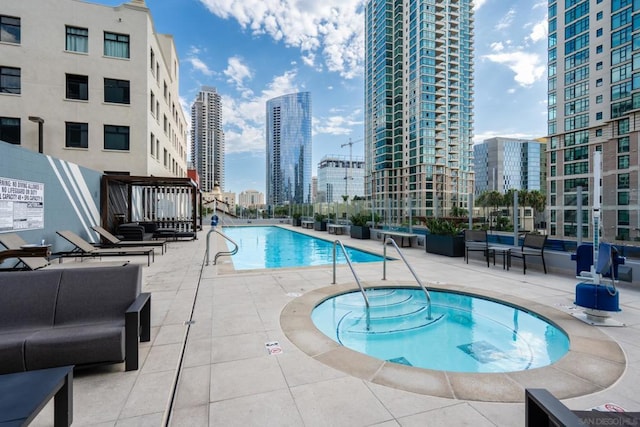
(346, 256)
(220, 253)
(384, 271)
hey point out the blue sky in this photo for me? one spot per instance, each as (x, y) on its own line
(255, 50)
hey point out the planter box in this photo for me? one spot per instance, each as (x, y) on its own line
(452, 246)
(320, 225)
(360, 232)
(296, 222)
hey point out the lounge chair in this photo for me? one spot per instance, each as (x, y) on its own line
(86, 249)
(14, 242)
(113, 242)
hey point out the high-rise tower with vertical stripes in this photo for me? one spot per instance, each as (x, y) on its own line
(418, 106)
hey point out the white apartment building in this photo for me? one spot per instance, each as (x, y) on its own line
(251, 199)
(95, 84)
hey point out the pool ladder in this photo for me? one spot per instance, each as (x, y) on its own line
(220, 253)
(384, 271)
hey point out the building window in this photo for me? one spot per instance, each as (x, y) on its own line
(152, 145)
(165, 90)
(152, 59)
(623, 181)
(599, 65)
(599, 99)
(598, 132)
(116, 91)
(116, 137)
(623, 126)
(623, 197)
(598, 82)
(623, 162)
(9, 29)
(77, 87)
(116, 45)
(623, 217)
(623, 145)
(77, 39)
(10, 80)
(10, 130)
(77, 135)
(599, 116)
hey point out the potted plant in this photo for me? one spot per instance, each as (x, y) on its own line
(297, 219)
(320, 222)
(444, 238)
(359, 226)
(362, 223)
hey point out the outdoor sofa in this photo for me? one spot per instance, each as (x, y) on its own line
(77, 316)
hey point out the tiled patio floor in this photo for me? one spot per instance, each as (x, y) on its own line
(210, 326)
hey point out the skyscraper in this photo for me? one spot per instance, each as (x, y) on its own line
(418, 106)
(340, 176)
(502, 164)
(207, 138)
(593, 101)
(289, 149)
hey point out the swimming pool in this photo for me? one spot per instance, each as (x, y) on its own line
(276, 247)
(464, 334)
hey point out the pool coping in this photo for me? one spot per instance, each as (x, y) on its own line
(593, 363)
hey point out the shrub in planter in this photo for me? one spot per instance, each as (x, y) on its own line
(359, 226)
(320, 222)
(297, 219)
(444, 238)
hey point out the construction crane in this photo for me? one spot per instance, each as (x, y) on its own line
(349, 166)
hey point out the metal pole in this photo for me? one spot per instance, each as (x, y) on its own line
(579, 215)
(515, 219)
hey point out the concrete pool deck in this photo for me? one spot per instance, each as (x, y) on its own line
(211, 326)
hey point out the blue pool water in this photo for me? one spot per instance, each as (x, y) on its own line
(464, 334)
(275, 247)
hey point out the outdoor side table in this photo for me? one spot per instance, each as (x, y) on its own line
(506, 255)
(24, 394)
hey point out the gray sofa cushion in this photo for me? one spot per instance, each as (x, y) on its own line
(98, 294)
(12, 351)
(28, 298)
(75, 345)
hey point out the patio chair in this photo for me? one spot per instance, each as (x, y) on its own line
(86, 249)
(14, 242)
(476, 241)
(532, 246)
(111, 241)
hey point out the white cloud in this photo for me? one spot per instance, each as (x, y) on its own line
(497, 47)
(333, 29)
(193, 58)
(478, 4)
(539, 31)
(528, 67)
(339, 124)
(237, 72)
(506, 20)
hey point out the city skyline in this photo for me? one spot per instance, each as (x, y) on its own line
(267, 51)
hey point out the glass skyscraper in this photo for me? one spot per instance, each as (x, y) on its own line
(418, 106)
(502, 164)
(289, 149)
(593, 105)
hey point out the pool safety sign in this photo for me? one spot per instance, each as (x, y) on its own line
(21, 205)
(273, 348)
